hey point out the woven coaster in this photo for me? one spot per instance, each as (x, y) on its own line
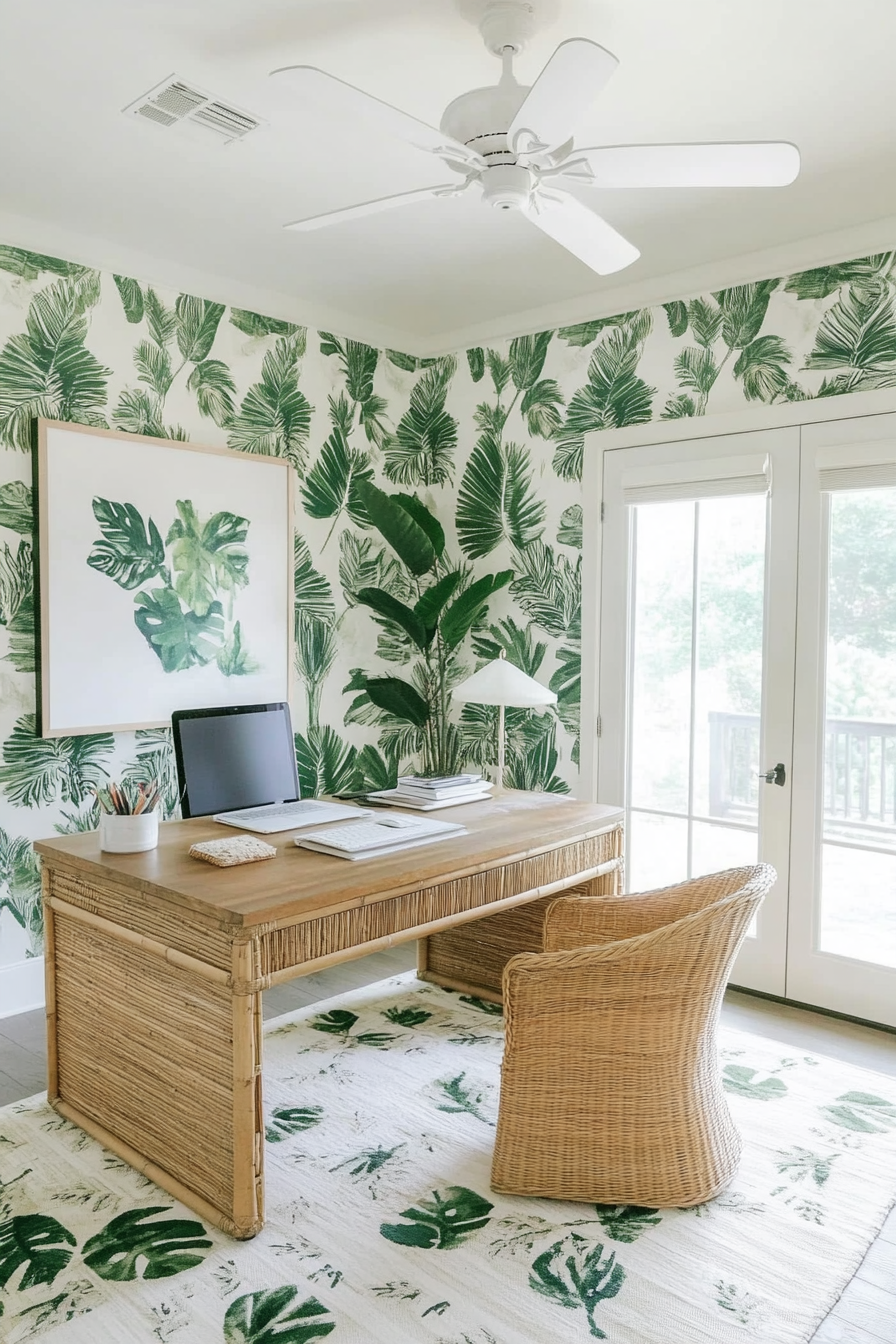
(233, 850)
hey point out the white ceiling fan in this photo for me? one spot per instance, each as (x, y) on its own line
(516, 144)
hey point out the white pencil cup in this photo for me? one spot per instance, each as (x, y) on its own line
(129, 835)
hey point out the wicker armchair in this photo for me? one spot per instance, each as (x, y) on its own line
(611, 1088)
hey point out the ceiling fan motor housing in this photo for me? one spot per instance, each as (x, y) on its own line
(507, 186)
(482, 117)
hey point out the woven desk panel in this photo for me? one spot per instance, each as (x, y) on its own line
(159, 920)
(331, 934)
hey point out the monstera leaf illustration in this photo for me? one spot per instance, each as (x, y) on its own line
(36, 1243)
(862, 1112)
(179, 638)
(207, 558)
(276, 1316)
(130, 551)
(440, 1223)
(133, 1247)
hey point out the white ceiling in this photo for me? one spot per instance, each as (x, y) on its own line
(77, 175)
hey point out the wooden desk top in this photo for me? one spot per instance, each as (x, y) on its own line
(299, 883)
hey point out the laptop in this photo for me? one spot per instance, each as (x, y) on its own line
(238, 765)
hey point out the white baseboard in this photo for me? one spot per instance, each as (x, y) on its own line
(21, 986)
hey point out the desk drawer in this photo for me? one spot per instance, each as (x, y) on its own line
(337, 937)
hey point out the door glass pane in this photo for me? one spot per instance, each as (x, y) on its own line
(695, 692)
(858, 888)
(657, 851)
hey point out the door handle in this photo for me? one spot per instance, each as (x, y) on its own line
(777, 775)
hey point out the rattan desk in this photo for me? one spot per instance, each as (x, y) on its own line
(156, 964)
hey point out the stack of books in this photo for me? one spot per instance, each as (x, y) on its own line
(428, 794)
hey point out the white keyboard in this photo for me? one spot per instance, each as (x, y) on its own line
(289, 816)
(390, 833)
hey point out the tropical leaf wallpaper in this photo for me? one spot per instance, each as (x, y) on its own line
(491, 440)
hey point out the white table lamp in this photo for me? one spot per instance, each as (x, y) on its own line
(501, 683)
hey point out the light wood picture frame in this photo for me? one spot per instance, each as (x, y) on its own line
(165, 578)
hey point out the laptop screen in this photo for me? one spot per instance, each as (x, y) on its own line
(243, 756)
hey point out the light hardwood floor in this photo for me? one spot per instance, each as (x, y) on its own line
(865, 1314)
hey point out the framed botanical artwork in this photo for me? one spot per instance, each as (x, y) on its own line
(165, 578)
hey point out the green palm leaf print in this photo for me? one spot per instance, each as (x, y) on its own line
(41, 770)
(197, 326)
(526, 358)
(613, 396)
(214, 388)
(275, 416)
(47, 370)
(131, 297)
(17, 507)
(421, 452)
(255, 324)
(333, 485)
(859, 334)
(496, 501)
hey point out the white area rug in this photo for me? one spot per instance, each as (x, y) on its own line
(382, 1228)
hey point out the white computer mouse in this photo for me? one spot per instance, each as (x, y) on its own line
(398, 822)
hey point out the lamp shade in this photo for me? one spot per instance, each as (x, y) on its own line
(500, 683)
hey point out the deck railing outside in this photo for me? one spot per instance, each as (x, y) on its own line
(859, 773)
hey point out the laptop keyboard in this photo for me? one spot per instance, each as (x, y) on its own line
(283, 816)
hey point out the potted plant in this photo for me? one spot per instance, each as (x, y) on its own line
(431, 628)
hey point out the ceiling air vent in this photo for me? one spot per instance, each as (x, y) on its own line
(176, 103)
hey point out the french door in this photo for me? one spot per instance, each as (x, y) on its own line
(747, 689)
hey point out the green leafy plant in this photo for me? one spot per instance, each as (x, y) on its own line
(276, 1316)
(432, 629)
(183, 621)
(574, 1274)
(441, 1223)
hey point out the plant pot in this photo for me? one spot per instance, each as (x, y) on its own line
(129, 835)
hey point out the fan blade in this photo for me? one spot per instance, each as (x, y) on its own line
(333, 97)
(761, 164)
(563, 92)
(369, 208)
(585, 235)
